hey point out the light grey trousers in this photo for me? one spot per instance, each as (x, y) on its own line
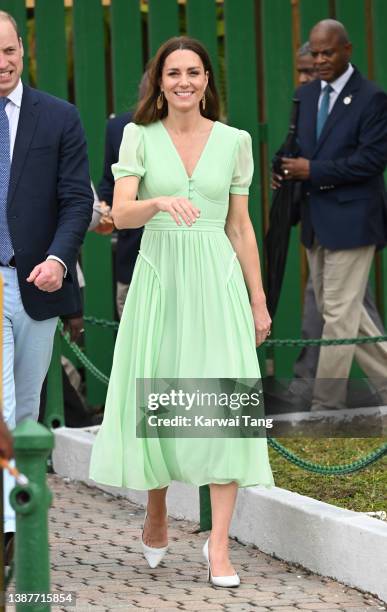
(339, 280)
(27, 350)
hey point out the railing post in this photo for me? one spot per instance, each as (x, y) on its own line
(54, 411)
(32, 444)
(205, 508)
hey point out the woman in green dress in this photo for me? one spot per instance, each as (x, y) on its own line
(188, 314)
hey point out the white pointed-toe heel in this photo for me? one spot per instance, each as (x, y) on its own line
(152, 555)
(220, 581)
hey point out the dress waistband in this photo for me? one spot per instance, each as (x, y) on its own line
(200, 225)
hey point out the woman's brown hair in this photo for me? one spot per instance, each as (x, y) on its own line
(147, 111)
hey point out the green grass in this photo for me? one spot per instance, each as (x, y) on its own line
(362, 491)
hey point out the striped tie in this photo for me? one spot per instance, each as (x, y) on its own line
(323, 111)
(6, 249)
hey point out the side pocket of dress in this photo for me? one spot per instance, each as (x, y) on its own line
(231, 268)
(158, 314)
(151, 264)
(238, 294)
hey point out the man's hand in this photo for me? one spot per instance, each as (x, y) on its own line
(297, 168)
(47, 276)
(74, 326)
(106, 225)
(276, 181)
(6, 445)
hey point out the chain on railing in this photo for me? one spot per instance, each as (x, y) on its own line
(326, 470)
(329, 470)
(101, 322)
(82, 357)
(289, 342)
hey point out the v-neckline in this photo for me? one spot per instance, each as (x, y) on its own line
(179, 156)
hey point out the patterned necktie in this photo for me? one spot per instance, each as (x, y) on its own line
(6, 249)
(323, 111)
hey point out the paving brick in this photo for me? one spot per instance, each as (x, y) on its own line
(241, 607)
(203, 606)
(284, 608)
(316, 605)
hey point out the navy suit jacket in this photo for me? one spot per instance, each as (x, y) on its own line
(345, 205)
(50, 201)
(128, 241)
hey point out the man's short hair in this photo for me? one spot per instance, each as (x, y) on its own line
(7, 17)
(304, 49)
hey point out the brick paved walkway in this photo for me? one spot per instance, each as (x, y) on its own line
(95, 551)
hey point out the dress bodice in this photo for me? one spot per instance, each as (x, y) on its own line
(225, 166)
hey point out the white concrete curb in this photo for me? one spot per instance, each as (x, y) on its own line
(344, 545)
(348, 422)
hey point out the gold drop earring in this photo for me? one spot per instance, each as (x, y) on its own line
(204, 101)
(160, 101)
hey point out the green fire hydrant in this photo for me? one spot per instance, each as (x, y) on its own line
(32, 444)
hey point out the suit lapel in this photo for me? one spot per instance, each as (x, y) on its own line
(25, 130)
(339, 109)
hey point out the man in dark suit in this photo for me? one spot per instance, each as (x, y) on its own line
(305, 366)
(128, 241)
(45, 209)
(342, 134)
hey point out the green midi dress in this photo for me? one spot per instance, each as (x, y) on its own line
(187, 315)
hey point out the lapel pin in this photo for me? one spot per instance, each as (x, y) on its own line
(347, 100)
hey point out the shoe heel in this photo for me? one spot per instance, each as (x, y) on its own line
(220, 581)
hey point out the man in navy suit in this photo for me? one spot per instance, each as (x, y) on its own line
(45, 209)
(128, 241)
(305, 366)
(342, 133)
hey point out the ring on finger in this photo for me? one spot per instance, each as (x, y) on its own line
(286, 171)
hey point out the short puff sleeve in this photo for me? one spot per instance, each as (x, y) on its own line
(243, 165)
(131, 156)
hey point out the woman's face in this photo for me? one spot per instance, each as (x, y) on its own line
(183, 80)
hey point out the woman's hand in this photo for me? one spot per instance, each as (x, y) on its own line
(178, 208)
(262, 322)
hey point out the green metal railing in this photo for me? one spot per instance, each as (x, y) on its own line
(318, 468)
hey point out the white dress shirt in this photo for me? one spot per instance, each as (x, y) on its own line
(13, 112)
(337, 86)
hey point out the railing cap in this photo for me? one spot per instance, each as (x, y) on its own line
(32, 436)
